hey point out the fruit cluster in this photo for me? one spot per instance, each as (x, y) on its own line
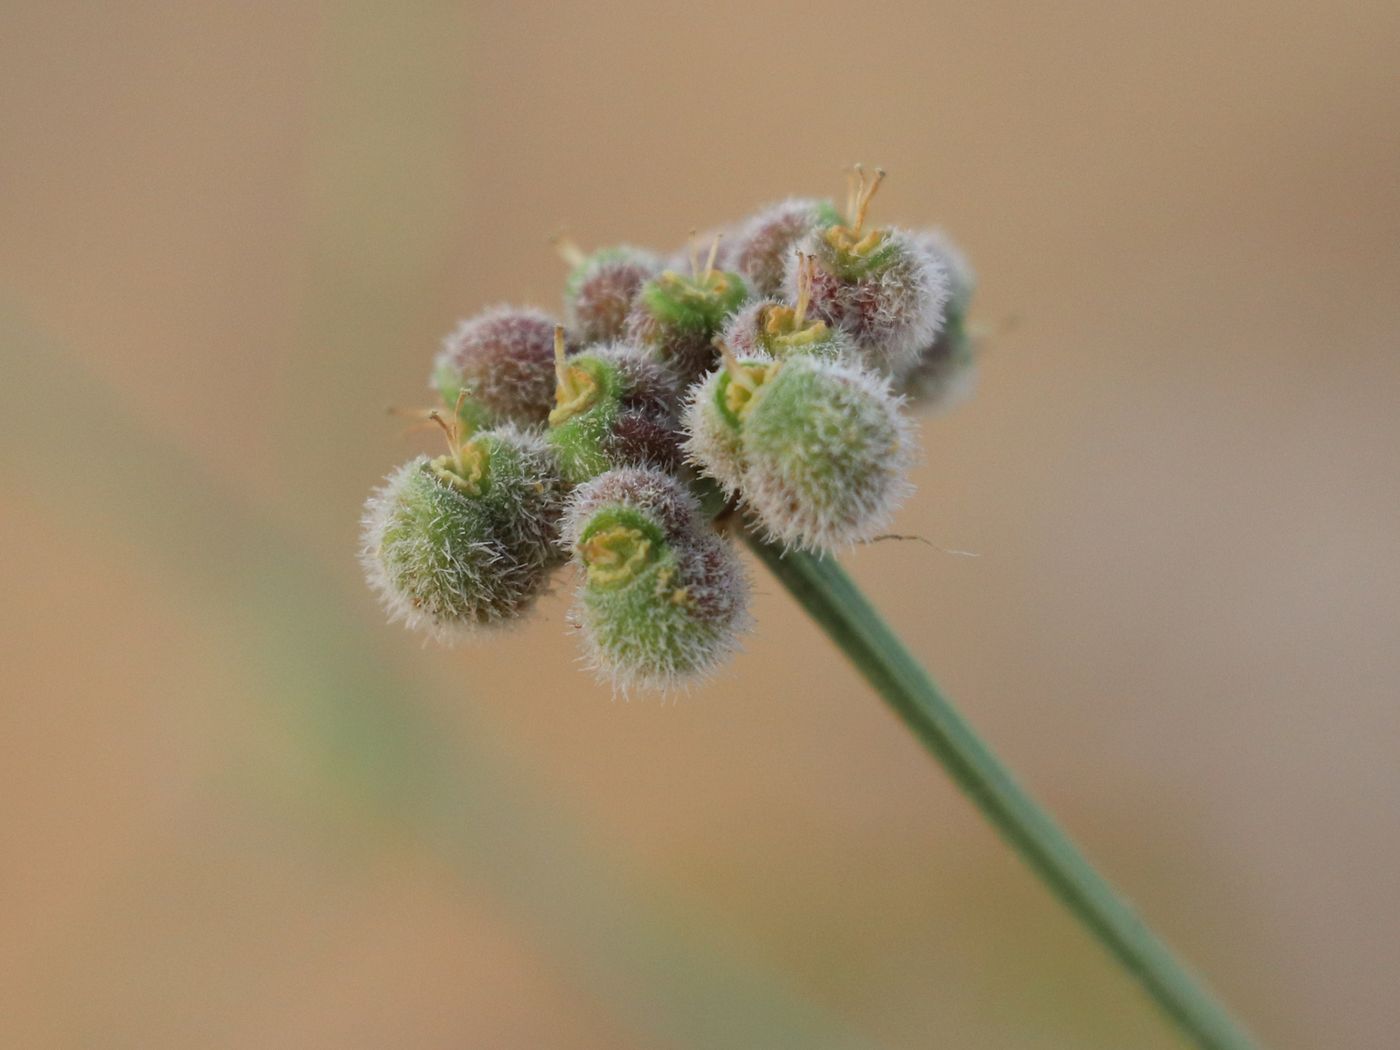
(779, 369)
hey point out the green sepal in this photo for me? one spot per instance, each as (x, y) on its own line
(851, 267)
(689, 305)
(827, 215)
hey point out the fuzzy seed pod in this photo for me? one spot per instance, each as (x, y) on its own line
(823, 451)
(468, 539)
(761, 249)
(601, 289)
(676, 318)
(498, 367)
(663, 597)
(945, 373)
(615, 406)
(878, 286)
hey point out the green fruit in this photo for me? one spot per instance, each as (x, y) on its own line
(663, 597)
(468, 539)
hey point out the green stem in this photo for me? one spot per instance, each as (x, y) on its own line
(837, 605)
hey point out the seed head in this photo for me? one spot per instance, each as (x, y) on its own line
(615, 405)
(602, 288)
(663, 598)
(467, 539)
(761, 249)
(876, 285)
(498, 367)
(824, 450)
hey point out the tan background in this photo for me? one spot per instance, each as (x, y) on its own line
(240, 811)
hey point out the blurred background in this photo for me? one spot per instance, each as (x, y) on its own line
(239, 810)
